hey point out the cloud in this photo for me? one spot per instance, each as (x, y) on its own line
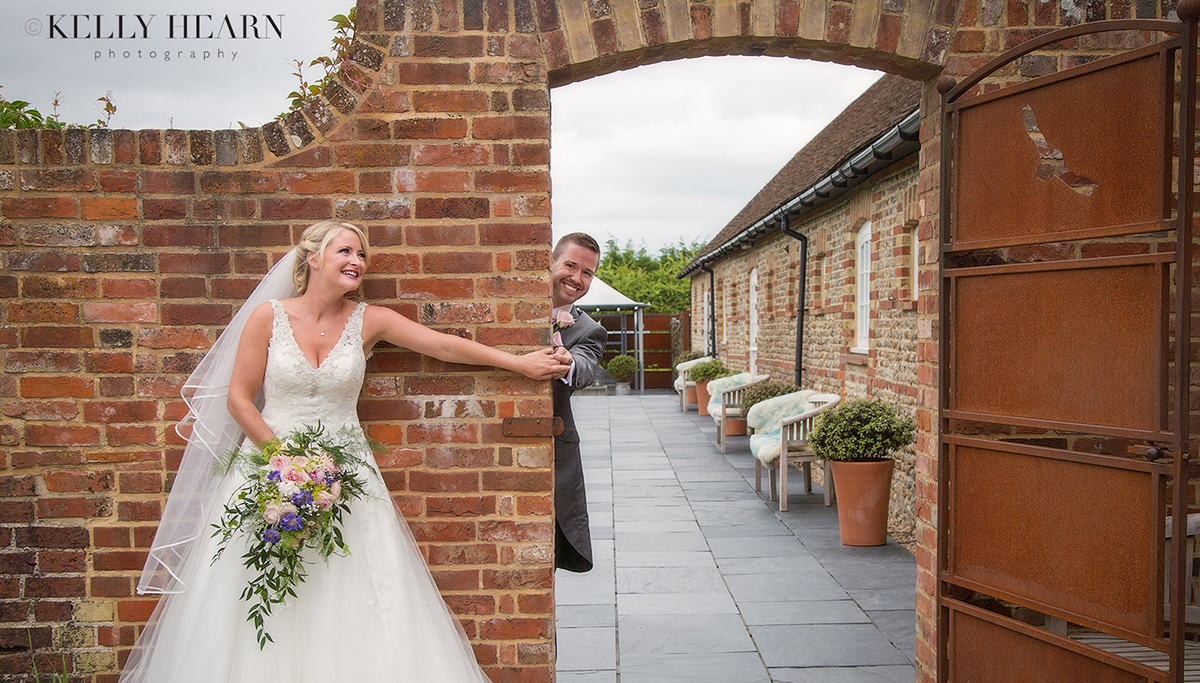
(672, 151)
(154, 79)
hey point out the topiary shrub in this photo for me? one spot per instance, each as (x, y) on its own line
(764, 390)
(861, 429)
(709, 370)
(621, 368)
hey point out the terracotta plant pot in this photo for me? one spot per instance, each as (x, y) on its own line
(702, 397)
(689, 394)
(735, 427)
(863, 489)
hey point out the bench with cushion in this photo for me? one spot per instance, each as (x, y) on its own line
(682, 383)
(782, 425)
(726, 401)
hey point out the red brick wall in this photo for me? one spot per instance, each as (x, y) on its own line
(125, 252)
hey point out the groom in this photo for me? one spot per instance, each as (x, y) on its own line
(578, 342)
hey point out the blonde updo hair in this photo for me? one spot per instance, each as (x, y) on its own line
(314, 241)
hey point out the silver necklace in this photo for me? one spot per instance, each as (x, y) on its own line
(310, 321)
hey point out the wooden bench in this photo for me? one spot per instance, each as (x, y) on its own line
(794, 450)
(682, 383)
(728, 405)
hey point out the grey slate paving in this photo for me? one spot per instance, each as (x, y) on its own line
(700, 578)
(726, 667)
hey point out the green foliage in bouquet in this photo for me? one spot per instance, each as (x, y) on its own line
(296, 492)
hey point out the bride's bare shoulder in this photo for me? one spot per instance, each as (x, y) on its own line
(378, 312)
(262, 315)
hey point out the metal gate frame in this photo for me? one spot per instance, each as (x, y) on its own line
(1149, 484)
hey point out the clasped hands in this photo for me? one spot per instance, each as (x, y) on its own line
(549, 363)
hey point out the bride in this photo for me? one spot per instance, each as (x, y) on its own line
(294, 356)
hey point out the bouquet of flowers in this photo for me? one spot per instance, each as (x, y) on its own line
(296, 492)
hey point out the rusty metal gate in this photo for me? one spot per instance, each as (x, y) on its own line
(1066, 342)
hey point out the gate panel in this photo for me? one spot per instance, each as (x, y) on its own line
(1040, 356)
(1074, 157)
(1053, 328)
(1062, 547)
(976, 637)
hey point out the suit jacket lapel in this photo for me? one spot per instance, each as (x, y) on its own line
(570, 334)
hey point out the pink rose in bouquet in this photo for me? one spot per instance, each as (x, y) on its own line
(325, 499)
(273, 512)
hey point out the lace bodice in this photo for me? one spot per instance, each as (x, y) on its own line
(295, 393)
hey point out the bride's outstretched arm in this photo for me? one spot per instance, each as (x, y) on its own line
(248, 370)
(384, 324)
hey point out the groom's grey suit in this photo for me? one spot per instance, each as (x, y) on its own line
(585, 339)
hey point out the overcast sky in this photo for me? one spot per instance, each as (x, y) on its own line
(655, 155)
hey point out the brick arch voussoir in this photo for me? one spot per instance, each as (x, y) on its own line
(302, 130)
(584, 38)
(788, 48)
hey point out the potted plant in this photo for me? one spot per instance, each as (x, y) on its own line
(621, 369)
(858, 437)
(702, 374)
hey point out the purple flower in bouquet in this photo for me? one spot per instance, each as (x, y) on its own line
(303, 498)
(291, 523)
(271, 535)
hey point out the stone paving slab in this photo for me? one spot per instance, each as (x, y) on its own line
(700, 578)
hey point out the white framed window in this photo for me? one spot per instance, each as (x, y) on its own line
(862, 289)
(753, 321)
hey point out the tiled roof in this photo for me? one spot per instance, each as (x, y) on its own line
(881, 107)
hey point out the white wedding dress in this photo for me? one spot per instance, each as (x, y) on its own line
(372, 616)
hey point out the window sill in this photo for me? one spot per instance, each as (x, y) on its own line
(856, 357)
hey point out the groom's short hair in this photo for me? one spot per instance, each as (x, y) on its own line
(580, 238)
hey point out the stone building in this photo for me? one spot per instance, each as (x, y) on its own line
(833, 236)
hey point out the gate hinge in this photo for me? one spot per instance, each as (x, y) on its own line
(524, 427)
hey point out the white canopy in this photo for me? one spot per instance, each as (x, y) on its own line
(602, 297)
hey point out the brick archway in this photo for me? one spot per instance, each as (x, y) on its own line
(490, 47)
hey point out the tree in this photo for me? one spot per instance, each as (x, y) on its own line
(641, 277)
